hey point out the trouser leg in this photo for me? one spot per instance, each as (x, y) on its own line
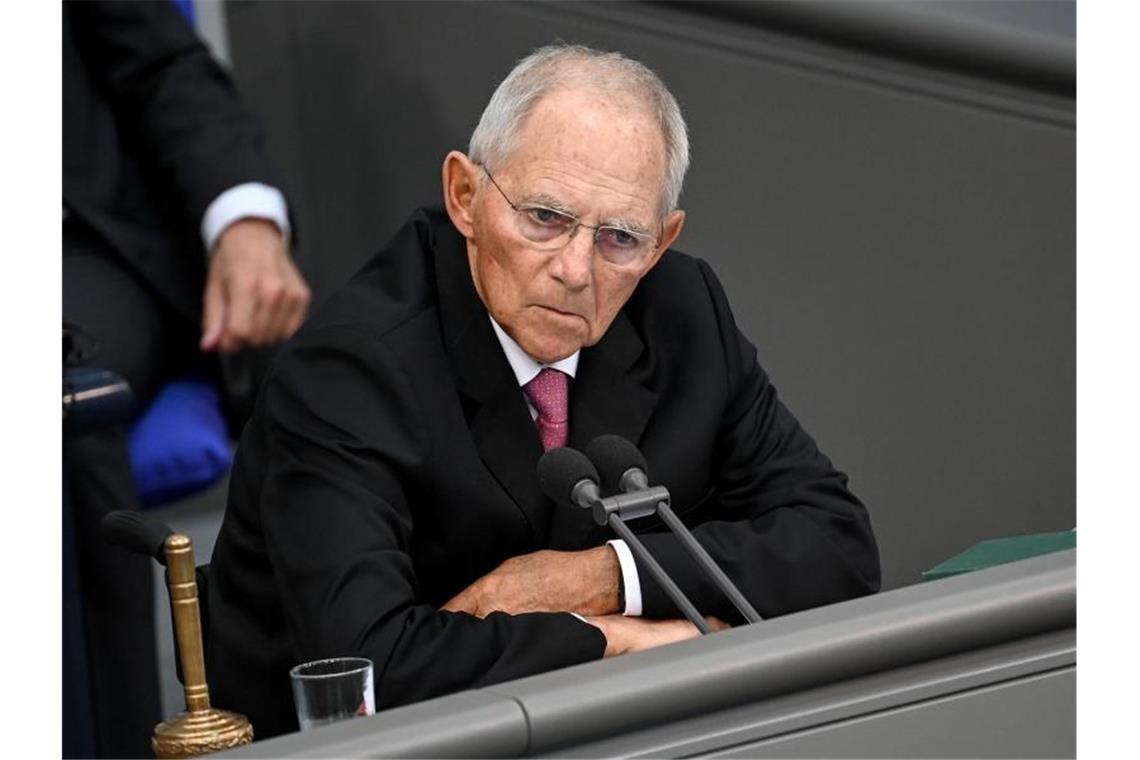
(134, 331)
(117, 593)
(78, 711)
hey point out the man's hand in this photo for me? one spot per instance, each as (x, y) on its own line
(585, 582)
(633, 634)
(254, 294)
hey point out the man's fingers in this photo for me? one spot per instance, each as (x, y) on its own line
(295, 319)
(283, 305)
(263, 296)
(267, 297)
(240, 307)
(298, 307)
(279, 303)
(290, 304)
(633, 634)
(462, 602)
(716, 623)
(213, 316)
(288, 298)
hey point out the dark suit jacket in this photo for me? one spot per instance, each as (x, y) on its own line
(391, 461)
(152, 132)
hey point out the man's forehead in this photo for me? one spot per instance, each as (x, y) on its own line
(578, 142)
(573, 114)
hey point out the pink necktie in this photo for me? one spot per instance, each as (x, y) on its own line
(548, 393)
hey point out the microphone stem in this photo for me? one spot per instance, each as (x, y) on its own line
(658, 572)
(704, 560)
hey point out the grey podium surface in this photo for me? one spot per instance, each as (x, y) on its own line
(982, 664)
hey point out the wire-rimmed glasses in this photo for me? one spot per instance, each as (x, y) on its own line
(549, 229)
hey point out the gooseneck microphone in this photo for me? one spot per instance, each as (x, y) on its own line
(620, 463)
(566, 476)
(622, 467)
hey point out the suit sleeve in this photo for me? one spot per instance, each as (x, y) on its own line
(347, 458)
(172, 99)
(781, 521)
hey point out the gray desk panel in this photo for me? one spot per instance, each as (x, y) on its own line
(847, 703)
(468, 724)
(1027, 717)
(997, 623)
(797, 652)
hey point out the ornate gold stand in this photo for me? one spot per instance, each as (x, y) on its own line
(201, 729)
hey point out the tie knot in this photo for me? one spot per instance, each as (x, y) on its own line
(548, 392)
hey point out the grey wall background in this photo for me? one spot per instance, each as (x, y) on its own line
(886, 190)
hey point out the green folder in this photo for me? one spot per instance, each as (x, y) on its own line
(998, 551)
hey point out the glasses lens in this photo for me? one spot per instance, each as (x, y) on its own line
(620, 246)
(543, 225)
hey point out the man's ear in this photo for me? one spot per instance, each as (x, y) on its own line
(670, 230)
(460, 181)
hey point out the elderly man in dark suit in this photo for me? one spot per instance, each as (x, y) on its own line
(385, 503)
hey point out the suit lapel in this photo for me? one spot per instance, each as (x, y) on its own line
(604, 398)
(500, 424)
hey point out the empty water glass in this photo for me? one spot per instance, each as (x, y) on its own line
(327, 691)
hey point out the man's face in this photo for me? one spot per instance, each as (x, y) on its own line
(604, 165)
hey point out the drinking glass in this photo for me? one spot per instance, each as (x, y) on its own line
(327, 691)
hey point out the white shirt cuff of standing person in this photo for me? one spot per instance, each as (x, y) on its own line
(631, 584)
(251, 199)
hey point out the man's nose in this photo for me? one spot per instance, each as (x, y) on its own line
(572, 265)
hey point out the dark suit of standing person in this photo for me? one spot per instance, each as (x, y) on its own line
(384, 500)
(174, 244)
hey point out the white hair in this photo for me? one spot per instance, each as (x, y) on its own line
(560, 66)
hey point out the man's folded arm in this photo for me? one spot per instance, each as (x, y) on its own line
(782, 523)
(342, 454)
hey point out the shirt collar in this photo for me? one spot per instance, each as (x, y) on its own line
(526, 368)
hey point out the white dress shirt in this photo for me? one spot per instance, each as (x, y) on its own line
(249, 200)
(526, 369)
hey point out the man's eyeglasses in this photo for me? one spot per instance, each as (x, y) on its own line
(550, 230)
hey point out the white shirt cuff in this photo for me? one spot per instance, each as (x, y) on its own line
(631, 584)
(251, 199)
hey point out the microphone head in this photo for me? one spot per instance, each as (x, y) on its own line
(613, 456)
(559, 470)
(135, 532)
